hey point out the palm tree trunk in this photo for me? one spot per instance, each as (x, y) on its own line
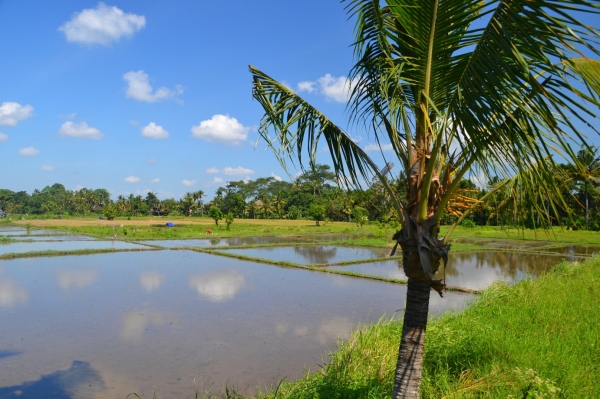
(586, 206)
(409, 368)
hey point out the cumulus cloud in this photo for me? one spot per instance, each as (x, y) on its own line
(3, 137)
(101, 25)
(307, 86)
(375, 147)
(154, 181)
(221, 129)
(138, 88)
(11, 113)
(154, 131)
(274, 176)
(218, 180)
(29, 152)
(212, 170)
(131, 179)
(80, 130)
(237, 171)
(188, 183)
(48, 168)
(336, 89)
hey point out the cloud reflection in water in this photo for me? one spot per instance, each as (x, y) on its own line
(218, 287)
(11, 295)
(152, 280)
(137, 321)
(76, 278)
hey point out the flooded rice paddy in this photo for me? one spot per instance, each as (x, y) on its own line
(105, 325)
(100, 326)
(474, 269)
(321, 254)
(22, 246)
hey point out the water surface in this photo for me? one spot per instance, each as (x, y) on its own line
(52, 238)
(25, 232)
(23, 246)
(473, 269)
(315, 254)
(101, 326)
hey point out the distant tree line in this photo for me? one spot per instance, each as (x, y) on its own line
(315, 195)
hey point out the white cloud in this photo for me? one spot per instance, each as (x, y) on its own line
(221, 129)
(138, 88)
(273, 175)
(48, 168)
(218, 180)
(29, 152)
(337, 89)
(101, 25)
(237, 171)
(189, 183)
(3, 137)
(134, 122)
(153, 160)
(11, 113)
(154, 131)
(154, 181)
(212, 170)
(375, 147)
(132, 179)
(307, 86)
(80, 130)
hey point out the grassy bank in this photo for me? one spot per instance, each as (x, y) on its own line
(378, 235)
(539, 337)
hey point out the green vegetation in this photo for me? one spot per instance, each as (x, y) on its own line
(538, 338)
(215, 214)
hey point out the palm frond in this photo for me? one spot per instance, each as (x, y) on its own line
(299, 127)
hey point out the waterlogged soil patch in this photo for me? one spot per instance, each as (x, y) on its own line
(312, 254)
(109, 324)
(587, 250)
(21, 247)
(472, 270)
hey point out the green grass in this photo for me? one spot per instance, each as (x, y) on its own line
(537, 339)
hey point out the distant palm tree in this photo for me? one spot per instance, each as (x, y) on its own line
(587, 172)
(451, 86)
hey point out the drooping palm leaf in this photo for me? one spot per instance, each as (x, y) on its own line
(299, 127)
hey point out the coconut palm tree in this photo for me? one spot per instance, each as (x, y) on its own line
(587, 172)
(453, 86)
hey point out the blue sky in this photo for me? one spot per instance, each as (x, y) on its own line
(136, 95)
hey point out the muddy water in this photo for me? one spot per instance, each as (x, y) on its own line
(22, 246)
(320, 254)
(101, 326)
(474, 270)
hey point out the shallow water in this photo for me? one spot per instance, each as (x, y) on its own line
(101, 326)
(25, 232)
(217, 242)
(19, 247)
(52, 238)
(473, 270)
(316, 254)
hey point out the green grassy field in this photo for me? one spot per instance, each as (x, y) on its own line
(379, 235)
